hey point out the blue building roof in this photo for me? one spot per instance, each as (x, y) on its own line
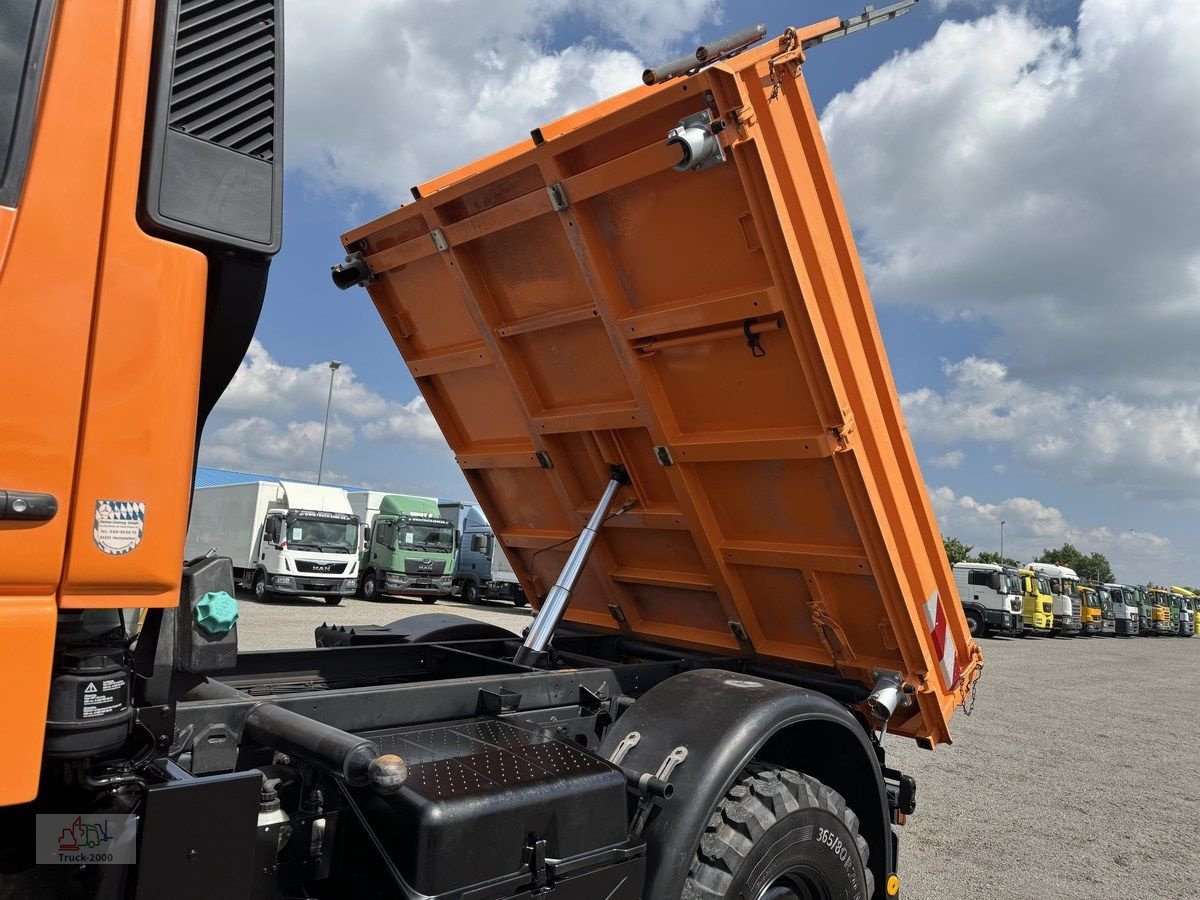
(207, 476)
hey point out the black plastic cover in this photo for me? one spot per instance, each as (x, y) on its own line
(424, 628)
(214, 166)
(479, 793)
(197, 651)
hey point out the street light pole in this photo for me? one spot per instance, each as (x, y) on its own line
(1002, 541)
(333, 367)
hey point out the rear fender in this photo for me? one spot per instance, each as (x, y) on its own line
(725, 720)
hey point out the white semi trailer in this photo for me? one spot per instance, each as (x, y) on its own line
(283, 537)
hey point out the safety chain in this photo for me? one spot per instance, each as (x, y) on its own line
(789, 41)
(972, 690)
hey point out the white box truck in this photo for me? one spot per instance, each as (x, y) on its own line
(283, 537)
(503, 584)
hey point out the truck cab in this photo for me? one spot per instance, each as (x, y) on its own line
(1037, 613)
(1065, 600)
(991, 597)
(471, 569)
(1090, 610)
(1125, 608)
(408, 548)
(1186, 603)
(1161, 618)
(1108, 612)
(306, 551)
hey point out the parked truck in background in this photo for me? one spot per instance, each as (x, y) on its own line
(408, 548)
(1186, 602)
(1161, 617)
(1108, 610)
(504, 583)
(1037, 607)
(1064, 597)
(1126, 609)
(282, 536)
(471, 568)
(991, 597)
(727, 611)
(1090, 610)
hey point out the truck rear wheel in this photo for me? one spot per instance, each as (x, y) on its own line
(520, 600)
(780, 835)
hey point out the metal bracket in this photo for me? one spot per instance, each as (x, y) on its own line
(618, 614)
(738, 631)
(663, 454)
(439, 240)
(627, 743)
(558, 196)
(673, 760)
(544, 459)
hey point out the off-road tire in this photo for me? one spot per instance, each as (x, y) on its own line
(470, 593)
(772, 822)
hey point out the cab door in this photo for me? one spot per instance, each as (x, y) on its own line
(57, 104)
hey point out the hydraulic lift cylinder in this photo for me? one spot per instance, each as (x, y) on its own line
(551, 613)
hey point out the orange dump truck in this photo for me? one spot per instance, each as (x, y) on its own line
(646, 335)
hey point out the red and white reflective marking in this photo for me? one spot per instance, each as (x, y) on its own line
(943, 646)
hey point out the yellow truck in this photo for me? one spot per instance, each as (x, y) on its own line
(646, 334)
(1037, 610)
(1091, 613)
(1162, 619)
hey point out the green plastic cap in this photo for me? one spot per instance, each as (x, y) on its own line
(216, 612)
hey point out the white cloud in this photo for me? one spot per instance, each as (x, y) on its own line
(1031, 527)
(1040, 179)
(1149, 450)
(383, 94)
(264, 385)
(271, 418)
(258, 444)
(410, 421)
(951, 459)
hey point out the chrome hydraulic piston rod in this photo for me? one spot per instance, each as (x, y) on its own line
(546, 622)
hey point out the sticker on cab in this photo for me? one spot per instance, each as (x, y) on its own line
(118, 526)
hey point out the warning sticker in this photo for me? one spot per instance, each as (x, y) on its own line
(102, 697)
(118, 526)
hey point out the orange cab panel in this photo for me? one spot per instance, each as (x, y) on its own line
(578, 302)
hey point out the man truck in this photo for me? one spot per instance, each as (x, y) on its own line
(1091, 612)
(1037, 608)
(281, 536)
(407, 547)
(1064, 596)
(991, 597)
(702, 474)
(1185, 602)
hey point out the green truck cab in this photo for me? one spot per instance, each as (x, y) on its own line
(408, 549)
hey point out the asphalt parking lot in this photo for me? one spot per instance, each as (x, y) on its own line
(1077, 776)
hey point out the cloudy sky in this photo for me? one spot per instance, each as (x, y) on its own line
(1022, 181)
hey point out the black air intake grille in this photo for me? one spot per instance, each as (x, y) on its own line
(223, 85)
